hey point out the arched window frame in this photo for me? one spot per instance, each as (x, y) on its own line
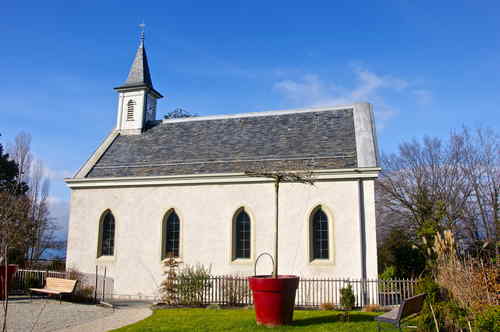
(103, 236)
(164, 232)
(234, 255)
(130, 110)
(310, 236)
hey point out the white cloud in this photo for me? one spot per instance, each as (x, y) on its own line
(312, 91)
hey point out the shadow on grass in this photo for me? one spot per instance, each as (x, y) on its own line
(333, 318)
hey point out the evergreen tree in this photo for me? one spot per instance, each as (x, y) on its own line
(9, 173)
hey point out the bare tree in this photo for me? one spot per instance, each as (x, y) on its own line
(33, 172)
(15, 227)
(20, 152)
(443, 184)
(42, 237)
(481, 165)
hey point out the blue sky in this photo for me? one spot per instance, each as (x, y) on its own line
(427, 66)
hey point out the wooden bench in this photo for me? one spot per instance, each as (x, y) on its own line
(56, 286)
(410, 306)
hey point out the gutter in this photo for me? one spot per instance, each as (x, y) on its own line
(362, 231)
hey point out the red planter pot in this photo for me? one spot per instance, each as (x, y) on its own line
(274, 298)
(11, 269)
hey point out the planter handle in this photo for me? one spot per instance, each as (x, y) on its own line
(257, 259)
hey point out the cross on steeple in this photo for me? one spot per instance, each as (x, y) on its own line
(142, 26)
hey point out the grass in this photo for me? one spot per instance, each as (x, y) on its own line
(178, 320)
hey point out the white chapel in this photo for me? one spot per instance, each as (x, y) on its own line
(182, 187)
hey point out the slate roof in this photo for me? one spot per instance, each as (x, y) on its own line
(288, 141)
(139, 74)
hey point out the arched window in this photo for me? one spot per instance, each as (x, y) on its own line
(242, 235)
(319, 235)
(130, 110)
(171, 231)
(107, 235)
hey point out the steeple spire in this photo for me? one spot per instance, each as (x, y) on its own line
(137, 98)
(139, 75)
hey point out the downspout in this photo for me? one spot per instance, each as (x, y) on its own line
(362, 231)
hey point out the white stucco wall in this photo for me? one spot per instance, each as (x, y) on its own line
(206, 212)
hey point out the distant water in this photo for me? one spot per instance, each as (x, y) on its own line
(54, 253)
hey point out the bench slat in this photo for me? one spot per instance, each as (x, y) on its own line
(44, 290)
(57, 286)
(66, 285)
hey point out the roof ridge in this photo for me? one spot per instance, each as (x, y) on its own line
(262, 113)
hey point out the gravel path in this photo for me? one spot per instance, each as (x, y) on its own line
(50, 315)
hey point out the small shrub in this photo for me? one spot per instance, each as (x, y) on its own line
(168, 287)
(347, 299)
(192, 281)
(455, 318)
(84, 293)
(428, 286)
(425, 320)
(487, 320)
(389, 273)
(327, 306)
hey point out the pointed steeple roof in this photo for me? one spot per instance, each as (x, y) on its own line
(139, 75)
(139, 72)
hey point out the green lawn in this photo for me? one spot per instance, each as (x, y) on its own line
(244, 320)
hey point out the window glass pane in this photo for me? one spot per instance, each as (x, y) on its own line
(108, 235)
(172, 235)
(320, 235)
(242, 235)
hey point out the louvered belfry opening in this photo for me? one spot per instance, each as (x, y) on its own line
(130, 110)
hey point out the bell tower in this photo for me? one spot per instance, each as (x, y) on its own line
(136, 97)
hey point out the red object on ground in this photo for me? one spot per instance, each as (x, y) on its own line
(274, 298)
(11, 269)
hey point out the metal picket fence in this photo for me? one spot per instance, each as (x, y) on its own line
(234, 290)
(312, 292)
